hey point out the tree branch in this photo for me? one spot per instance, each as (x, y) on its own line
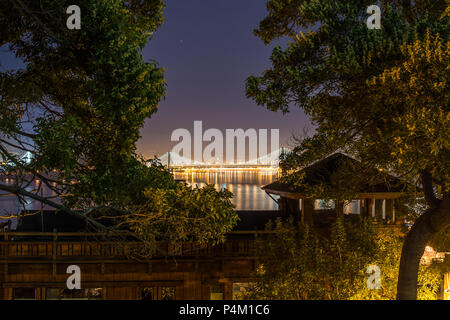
(427, 185)
(20, 191)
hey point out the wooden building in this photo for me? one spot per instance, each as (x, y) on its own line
(34, 262)
(374, 195)
(36, 268)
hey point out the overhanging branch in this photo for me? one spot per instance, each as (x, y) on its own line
(20, 191)
(427, 184)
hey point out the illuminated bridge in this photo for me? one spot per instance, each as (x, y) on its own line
(177, 162)
(26, 158)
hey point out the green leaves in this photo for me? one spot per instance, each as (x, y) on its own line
(183, 213)
(85, 94)
(88, 91)
(316, 263)
(329, 71)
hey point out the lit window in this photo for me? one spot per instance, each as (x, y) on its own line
(76, 294)
(240, 288)
(158, 293)
(322, 204)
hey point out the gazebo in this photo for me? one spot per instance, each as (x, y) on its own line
(373, 195)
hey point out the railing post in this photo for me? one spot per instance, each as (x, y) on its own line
(197, 257)
(55, 237)
(5, 252)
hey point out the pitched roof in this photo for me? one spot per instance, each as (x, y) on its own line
(333, 171)
(49, 220)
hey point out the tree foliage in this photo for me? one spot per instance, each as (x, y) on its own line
(330, 72)
(313, 263)
(183, 214)
(78, 104)
(378, 94)
(84, 94)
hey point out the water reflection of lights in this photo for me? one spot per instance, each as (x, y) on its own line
(225, 169)
(245, 186)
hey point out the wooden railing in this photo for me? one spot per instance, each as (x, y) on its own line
(62, 246)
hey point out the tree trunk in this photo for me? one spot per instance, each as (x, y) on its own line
(428, 224)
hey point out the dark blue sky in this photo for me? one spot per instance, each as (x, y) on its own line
(208, 50)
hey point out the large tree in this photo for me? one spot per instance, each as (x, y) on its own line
(77, 104)
(379, 94)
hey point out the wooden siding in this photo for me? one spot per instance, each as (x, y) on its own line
(189, 269)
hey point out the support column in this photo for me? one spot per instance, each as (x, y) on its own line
(379, 209)
(389, 209)
(307, 211)
(339, 208)
(283, 206)
(372, 213)
(366, 207)
(370, 206)
(393, 210)
(293, 208)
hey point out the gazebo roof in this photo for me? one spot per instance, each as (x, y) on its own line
(331, 172)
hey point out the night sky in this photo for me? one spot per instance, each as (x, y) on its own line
(208, 50)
